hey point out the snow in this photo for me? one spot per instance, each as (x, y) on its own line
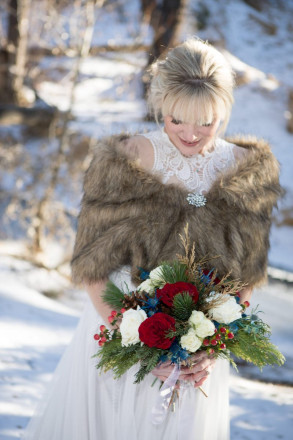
(35, 329)
(260, 411)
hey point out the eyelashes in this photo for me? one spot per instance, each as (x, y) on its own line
(177, 122)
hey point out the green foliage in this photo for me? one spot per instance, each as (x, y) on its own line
(149, 359)
(113, 296)
(174, 272)
(116, 357)
(255, 348)
(183, 305)
(113, 356)
(181, 329)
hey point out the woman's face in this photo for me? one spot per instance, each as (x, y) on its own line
(188, 138)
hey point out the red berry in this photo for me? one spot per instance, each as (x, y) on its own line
(114, 313)
(102, 328)
(218, 337)
(111, 319)
(230, 335)
(96, 337)
(223, 346)
(211, 351)
(123, 310)
(101, 343)
(214, 342)
(206, 342)
(246, 303)
(222, 330)
(103, 339)
(215, 331)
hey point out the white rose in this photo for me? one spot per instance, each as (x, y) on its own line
(196, 317)
(202, 326)
(147, 286)
(226, 312)
(156, 274)
(129, 326)
(155, 279)
(190, 341)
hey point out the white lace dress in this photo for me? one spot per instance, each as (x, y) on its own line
(83, 404)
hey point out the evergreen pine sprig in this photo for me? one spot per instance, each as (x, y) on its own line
(114, 356)
(113, 296)
(173, 272)
(183, 305)
(260, 352)
(149, 360)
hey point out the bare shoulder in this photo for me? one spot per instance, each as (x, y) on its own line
(139, 148)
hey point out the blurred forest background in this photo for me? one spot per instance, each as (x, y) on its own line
(75, 70)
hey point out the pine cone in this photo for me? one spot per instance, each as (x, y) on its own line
(131, 301)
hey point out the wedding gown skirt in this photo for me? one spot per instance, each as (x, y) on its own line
(84, 404)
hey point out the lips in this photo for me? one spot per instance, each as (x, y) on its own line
(189, 144)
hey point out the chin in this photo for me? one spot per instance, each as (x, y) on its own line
(190, 151)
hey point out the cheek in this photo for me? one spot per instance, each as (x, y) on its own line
(173, 129)
(210, 132)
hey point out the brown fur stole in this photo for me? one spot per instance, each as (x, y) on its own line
(129, 217)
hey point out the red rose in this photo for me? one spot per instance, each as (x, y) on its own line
(153, 330)
(167, 293)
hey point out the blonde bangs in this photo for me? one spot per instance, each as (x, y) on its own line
(198, 109)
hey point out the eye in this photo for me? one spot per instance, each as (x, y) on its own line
(175, 121)
(207, 124)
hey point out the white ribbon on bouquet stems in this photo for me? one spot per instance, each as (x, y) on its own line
(166, 396)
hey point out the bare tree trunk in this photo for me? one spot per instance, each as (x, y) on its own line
(165, 17)
(21, 52)
(13, 57)
(56, 164)
(165, 20)
(8, 54)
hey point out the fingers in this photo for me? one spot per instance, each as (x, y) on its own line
(194, 377)
(163, 370)
(204, 364)
(197, 373)
(200, 382)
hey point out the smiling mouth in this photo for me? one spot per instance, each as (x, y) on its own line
(189, 144)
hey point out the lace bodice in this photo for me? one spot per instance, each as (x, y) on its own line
(197, 173)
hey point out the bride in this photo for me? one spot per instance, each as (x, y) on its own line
(139, 193)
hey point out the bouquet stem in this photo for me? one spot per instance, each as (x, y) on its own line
(203, 392)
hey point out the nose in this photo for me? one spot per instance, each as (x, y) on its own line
(189, 132)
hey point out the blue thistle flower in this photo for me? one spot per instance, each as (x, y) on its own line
(151, 304)
(144, 274)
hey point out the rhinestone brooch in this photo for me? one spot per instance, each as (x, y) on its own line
(196, 199)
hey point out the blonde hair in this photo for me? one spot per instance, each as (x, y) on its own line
(193, 83)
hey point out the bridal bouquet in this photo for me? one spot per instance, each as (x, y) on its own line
(178, 309)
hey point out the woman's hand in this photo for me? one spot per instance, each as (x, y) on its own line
(202, 365)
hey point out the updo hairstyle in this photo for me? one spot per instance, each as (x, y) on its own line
(193, 83)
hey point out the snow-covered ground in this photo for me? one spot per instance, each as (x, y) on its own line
(34, 329)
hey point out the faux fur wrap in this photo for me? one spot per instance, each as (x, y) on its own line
(129, 217)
